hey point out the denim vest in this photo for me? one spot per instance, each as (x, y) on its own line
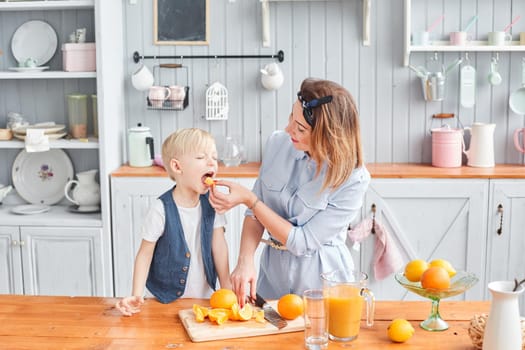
(171, 259)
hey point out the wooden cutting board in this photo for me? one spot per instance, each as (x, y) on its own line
(206, 331)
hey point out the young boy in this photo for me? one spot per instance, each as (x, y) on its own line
(183, 250)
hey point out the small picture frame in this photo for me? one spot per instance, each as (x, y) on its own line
(180, 22)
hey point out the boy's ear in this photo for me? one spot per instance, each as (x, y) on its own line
(175, 166)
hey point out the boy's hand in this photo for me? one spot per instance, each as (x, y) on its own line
(129, 305)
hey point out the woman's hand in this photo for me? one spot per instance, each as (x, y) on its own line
(242, 275)
(222, 202)
(129, 305)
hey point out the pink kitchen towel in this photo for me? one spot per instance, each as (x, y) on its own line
(387, 258)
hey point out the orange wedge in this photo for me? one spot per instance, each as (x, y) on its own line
(259, 316)
(219, 315)
(246, 312)
(234, 316)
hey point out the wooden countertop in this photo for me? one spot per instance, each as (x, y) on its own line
(377, 170)
(39, 322)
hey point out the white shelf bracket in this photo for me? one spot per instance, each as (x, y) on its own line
(265, 12)
(265, 7)
(367, 4)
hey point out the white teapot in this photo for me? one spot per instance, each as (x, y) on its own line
(86, 193)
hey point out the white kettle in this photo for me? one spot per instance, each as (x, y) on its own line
(481, 149)
(140, 146)
(272, 76)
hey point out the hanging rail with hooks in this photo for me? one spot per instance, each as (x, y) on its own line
(137, 56)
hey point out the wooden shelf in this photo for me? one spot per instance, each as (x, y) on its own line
(46, 5)
(59, 215)
(444, 46)
(89, 143)
(47, 75)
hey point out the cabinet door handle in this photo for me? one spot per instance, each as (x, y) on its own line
(15, 242)
(22, 243)
(500, 212)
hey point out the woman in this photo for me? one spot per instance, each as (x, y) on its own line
(310, 187)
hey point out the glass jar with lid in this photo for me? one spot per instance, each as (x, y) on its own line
(77, 115)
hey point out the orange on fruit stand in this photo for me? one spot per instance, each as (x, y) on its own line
(444, 264)
(223, 298)
(435, 278)
(290, 306)
(414, 269)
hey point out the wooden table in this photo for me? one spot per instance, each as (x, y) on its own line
(38, 322)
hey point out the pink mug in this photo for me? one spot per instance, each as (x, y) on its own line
(519, 146)
(158, 94)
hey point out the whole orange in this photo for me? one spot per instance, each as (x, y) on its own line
(223, 298)
(435, 278)
(290, 306)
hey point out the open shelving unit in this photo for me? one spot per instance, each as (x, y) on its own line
(444, 46)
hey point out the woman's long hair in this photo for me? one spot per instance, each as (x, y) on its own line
(336, 137)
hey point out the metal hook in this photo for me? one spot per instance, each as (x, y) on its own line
(373, 208)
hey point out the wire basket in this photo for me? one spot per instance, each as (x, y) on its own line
(167, 104)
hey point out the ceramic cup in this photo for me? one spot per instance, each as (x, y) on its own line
(158, 94)
(142, 79)
(421, 38)
(30, 63)
(522, 38)
(499, 38)
(520, 145)
(177, 96)
(459, 38)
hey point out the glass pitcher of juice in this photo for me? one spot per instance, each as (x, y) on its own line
(347, 293)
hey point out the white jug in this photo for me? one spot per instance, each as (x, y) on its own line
(481, 149)
(503, 328)
(86, 193)
(140, 146)
(271, 76)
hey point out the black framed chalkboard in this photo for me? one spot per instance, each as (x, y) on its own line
(180, 22)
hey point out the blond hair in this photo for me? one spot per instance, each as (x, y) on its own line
(336, 137)
(182, 142)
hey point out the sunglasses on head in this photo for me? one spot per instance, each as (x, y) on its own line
(308, 105)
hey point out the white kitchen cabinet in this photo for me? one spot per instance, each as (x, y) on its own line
(429, 218)
(53, 261)
(131, 198)
(39, 96)
(444, 46)
(506, 233)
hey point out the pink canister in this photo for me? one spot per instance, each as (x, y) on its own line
(447, 147)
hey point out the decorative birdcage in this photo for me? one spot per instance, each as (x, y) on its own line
(217, 102)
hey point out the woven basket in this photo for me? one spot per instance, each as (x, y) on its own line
(477, 328)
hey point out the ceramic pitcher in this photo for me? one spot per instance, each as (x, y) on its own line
(481, 150)
(86, 193)
(503, 328)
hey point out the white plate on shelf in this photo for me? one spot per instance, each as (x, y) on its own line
(29, 69)
(51, 136)
(48, 129)
(84, 210)
(34, 39)
(30, 209)
(40, 177)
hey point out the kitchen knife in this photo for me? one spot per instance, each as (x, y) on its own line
(270, 314)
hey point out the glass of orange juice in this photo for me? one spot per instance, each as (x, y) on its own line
(347, 295)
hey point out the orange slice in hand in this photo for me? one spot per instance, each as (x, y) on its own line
(209, 181)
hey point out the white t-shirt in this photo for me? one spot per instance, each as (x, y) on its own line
(153, 227)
